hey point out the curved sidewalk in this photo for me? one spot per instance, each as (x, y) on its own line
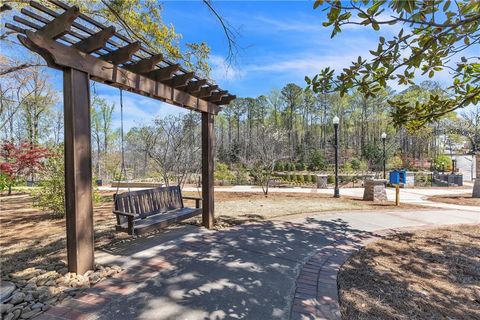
(268, 270)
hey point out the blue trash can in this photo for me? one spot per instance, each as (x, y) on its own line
(402, 176)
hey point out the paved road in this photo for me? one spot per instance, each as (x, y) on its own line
(248, 272)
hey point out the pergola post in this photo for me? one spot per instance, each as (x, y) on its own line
(78, 171)
(208, 140)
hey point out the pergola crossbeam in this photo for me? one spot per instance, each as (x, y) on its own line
(122, 54)
(207, 91)
(96, 41)
(217, 96)
(145, 65)
(194, 86)
(164, 73)
(61, 24)
(180, 80)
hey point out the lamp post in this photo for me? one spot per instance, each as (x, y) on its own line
(384, 137)
(335, 121)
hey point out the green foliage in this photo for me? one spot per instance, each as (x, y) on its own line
(6, 181)
(330, 179)
(346, 167)
(394, 162)
(50, 194)
(358, 165)
(300, 166)
(373, 154)
(300, 178)
(442, 163)
(437, 34)
(316, 161)
(279, 166)
(222, 173)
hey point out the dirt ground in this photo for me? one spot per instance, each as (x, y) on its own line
(432, 274)
(29, 236)
(460, 199)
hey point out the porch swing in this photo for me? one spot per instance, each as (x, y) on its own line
(143, 211)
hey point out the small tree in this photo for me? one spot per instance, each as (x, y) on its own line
(268, 147)
(20, 160)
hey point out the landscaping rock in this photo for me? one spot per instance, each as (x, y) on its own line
(37, 305)
(5, 307)
(16, 314)
(6, 290)
(17, 297)
(9, 316)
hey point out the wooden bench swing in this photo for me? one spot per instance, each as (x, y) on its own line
(142, 211)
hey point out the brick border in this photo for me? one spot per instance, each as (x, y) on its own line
(316, 290)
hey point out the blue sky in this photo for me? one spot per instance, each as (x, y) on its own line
(279, 42)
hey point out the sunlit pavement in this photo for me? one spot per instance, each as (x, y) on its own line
(266, 270)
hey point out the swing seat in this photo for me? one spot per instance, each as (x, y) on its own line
(143, 211)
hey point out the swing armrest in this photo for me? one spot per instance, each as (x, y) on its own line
(130, 217)
(128, 214)
(197, 200)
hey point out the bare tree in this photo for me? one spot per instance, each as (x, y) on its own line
(268, 147)
(174, 146)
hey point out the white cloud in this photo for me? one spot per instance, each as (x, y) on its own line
(223, 71)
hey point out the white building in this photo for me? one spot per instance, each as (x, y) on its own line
(468, 165)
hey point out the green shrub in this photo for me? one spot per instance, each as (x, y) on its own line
(50, 194)
(300, 178)
(443, 163)
(222, 173)
(300, 166)
(346, 167)
(330, 179)
(316, 161)
(358, 164)
(291, 166)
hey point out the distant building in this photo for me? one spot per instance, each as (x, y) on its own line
(468, 165)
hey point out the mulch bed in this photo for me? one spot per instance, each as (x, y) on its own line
(459, 199)
(431, 274)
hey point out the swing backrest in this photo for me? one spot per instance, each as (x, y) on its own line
(144, 203)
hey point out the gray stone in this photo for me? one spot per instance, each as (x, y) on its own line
(17, 298)
(6, 290)
(9, 316)
(16, 314)
(29, 297)
(37, 305)
(476, 189)
(5, 307)
(30, 314)
(375, 190)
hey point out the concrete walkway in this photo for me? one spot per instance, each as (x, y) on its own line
(269, 270)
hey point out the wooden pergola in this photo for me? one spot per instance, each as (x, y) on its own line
(85, 49)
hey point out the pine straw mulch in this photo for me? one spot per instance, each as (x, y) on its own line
(431, 274)
(459, 199)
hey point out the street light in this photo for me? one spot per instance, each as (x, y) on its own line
(335, 121)
(384, 137)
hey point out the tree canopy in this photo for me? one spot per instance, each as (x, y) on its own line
(435, 36)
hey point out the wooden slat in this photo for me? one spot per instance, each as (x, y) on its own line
(194, 86)
(179, 80)
(227, 99)
(95, 42)
(206, 92)
(164, 73)
(145, 65)
(122, 54)
(217, 96)
(61, 24)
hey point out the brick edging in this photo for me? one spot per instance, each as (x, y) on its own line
(316, 291)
